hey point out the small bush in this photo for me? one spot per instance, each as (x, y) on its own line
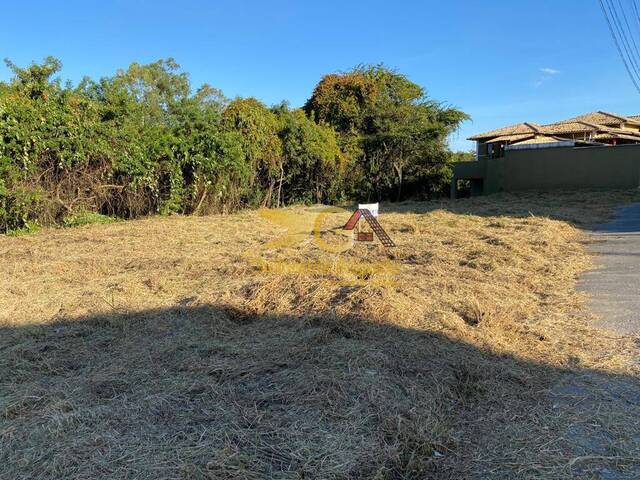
(27, 229)
(19, 209)
(85, 218)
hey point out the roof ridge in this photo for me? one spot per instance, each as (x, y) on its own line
(497, 132)
(614, 115)
(595, 125)
(534, 126)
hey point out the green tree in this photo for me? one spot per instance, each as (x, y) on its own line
(313, 163)
(469, 156)
(47, 145)
(143, 141)
(388, 124)
(258, 128)
(36, 80)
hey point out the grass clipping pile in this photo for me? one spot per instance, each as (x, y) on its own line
(163, 348)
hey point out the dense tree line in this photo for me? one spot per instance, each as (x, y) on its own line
(142, 141)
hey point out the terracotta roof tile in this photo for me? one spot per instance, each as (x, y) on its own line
(600, 117)
(518, 129)
(589, 122)
(613, 135)
(511, 138)
(541, 139)
(570, 127)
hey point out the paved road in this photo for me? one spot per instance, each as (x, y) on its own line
(614, 286)
(603, 411)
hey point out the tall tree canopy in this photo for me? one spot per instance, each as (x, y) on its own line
(394, 132)
(315, 164)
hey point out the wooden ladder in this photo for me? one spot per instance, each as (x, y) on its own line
(377, 228)
(353, 220)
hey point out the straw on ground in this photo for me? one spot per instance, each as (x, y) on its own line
(158, 349)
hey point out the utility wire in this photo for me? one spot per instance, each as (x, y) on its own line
(633, 57)
(617, 43)
(622, 38)
(636, 11)
(635, 17)
(631, 35)
(634, 4)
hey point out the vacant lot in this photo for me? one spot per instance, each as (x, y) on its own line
(161, 348)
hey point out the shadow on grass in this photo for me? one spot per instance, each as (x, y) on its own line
(587, 209)
(211, 392)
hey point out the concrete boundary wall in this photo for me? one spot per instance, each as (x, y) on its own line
(555, 168)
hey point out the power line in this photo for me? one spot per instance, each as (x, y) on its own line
(634, 4)
(617, 43)
(634, 7)
(622, 38)
(622, 35)
(633, 40)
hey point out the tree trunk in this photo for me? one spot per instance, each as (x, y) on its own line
(280, 185)
(399, 170)
(267, 199)
(204, 195)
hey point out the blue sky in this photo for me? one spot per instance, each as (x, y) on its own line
(500, 61)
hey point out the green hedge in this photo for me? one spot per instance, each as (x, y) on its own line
(142, 142)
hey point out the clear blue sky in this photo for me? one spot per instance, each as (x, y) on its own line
(500, 61)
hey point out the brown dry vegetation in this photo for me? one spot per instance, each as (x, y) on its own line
(159, 349)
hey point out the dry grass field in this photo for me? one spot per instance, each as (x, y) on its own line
(161, 349)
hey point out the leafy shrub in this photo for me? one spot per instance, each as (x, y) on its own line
(86, 218)
(142, 142)
(27, 229)
(18, 208)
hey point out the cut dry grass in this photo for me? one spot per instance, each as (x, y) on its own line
(159, 348)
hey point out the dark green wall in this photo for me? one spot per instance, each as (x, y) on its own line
(555, 168)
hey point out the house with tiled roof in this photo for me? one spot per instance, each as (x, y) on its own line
(596, 150)
(591, 129)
